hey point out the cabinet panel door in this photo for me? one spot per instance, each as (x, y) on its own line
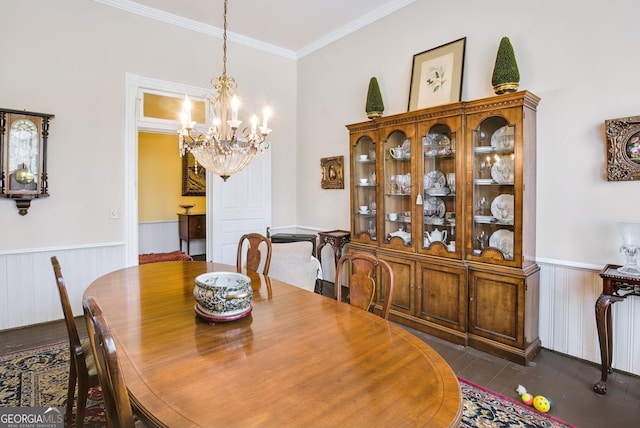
(364, 186)
(403, 299)
(197, 227)
(496, 307)
(442, 295)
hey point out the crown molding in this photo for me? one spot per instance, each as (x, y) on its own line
(190, 24)
(353, 26)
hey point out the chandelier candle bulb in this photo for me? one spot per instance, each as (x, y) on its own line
(267, 113)
(235, 103)
(254, 123)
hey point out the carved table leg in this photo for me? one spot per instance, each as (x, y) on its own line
(605, 337)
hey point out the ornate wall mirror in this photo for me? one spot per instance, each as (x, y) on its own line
(23, 156)
(623, 148)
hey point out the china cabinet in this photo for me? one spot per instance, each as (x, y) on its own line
(447, 196)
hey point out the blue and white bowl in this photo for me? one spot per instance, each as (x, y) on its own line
(223, 294)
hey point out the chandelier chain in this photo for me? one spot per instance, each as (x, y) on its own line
(224, 41)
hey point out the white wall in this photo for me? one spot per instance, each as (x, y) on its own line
(69, 58)
(580, 58)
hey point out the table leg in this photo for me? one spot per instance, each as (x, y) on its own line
(605, 337)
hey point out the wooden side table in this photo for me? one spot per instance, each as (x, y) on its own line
(192, 226)
(337, 239)
(616, 286)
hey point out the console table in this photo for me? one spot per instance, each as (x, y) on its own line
(295, 237)
(616, 286)
(192, 226)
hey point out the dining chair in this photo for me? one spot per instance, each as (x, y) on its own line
(362, 285)
(254, 254)
(118, 408)
(82, 368)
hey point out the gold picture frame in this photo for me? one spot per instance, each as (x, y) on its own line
(623, 148)
(436, 77)
(332, 172)
(194, 177)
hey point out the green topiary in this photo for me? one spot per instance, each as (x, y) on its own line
(375, 106)
(505, 73)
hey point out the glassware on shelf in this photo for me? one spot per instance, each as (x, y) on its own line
(483, 205)
(482, 238)
(484, 167)
(630, 248)
(372, 229)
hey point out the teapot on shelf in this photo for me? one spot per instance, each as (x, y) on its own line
(397, 152)
(436, 235)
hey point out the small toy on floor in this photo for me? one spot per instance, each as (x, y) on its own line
(539, 402)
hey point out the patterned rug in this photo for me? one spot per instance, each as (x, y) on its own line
(38, 378)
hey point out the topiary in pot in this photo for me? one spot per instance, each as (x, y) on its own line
(506, 76)
(375, 106)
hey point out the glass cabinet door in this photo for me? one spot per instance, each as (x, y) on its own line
(493, 191)
(398, 200)
(363, 167)
(439, 174)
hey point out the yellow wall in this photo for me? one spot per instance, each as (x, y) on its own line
(159, 179)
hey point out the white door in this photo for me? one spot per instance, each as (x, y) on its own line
(240, 205)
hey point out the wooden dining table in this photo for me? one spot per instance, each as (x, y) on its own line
(299, 359)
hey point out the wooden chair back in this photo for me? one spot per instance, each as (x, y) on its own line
(114, 390)
(254, 254)
(362, 285)
(82, 364)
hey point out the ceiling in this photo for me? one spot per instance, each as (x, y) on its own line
(296, 27)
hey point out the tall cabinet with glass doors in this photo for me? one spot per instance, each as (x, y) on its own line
(446, 195)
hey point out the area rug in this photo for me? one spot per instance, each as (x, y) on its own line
(38, 378)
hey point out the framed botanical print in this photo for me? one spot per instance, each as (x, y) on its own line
(332, 172)
(194, 177)
(623, 148)
(436, 77)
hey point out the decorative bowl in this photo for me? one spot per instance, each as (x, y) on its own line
(223, 296)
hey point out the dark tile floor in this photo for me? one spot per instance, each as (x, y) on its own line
(566, 380)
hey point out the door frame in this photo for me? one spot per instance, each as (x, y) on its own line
(135, 122)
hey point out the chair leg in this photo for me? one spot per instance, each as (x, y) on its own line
(83, 391)
(71, 393)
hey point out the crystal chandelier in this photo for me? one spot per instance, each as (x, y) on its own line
(223, 150)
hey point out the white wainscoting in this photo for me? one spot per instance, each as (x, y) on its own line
(162, 237)
(28, 292)
(568, 295)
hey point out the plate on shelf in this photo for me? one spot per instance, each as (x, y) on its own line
(483, 218)
(502, 208)
(435, 205)
(483, 149)
(503, 170)
(442, 191)
(502, 239)
(503, 139)
(483, 181)
(434, 179)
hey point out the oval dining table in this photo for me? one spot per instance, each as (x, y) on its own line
(299, 359)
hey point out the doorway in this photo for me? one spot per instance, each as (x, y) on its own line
(241, 204)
